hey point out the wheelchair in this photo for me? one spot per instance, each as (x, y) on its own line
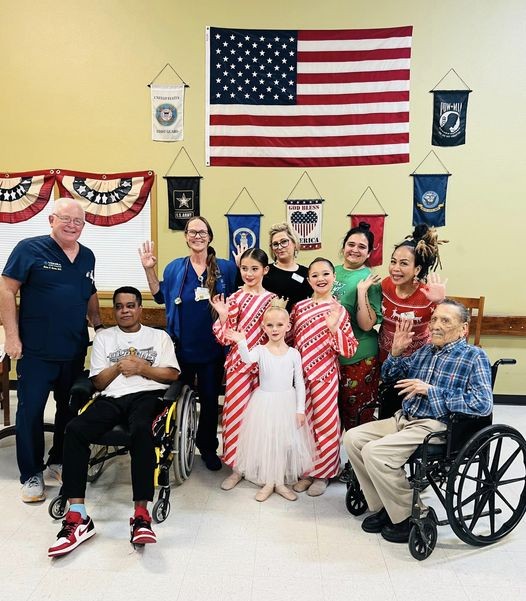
(477, 471)
(174, 431)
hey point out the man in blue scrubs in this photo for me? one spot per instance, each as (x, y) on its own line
(54, 275)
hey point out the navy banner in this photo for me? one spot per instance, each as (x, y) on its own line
(243, 230)
(429, 199)
(449, 117)
(183, 200)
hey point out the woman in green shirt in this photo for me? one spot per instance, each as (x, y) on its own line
(359, 291)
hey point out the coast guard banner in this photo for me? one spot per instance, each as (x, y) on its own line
(108, 199)
(23, 195)
(429, 199)
(167, 112)
(243, 230)
(183, 200)
(304, 217)
(377, 228)
(449, 117)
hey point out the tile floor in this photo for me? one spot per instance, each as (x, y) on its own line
(219, 545)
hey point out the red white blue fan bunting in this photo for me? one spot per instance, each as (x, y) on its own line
(23, 195)
(108, 199)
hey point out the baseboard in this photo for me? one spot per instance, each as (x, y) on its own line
(509, 399)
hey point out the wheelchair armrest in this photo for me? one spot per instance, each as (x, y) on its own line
(172, 393)
(81, 392)
(462, 426)
(495, 368)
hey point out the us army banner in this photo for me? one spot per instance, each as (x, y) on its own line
(183, 200)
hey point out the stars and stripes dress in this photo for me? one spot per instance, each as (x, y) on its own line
(319, 349)
(245, 313)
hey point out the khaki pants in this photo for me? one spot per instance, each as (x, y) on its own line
(378, 452)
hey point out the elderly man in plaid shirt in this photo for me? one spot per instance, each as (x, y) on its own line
(443, 377)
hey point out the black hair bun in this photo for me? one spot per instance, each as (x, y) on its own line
(363, 225)
(420, 231)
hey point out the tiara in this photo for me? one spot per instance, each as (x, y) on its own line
(278, 303)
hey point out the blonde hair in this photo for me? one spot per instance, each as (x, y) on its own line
(284, 228)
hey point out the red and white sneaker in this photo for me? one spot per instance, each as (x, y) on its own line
(141, 529)
(74, 531)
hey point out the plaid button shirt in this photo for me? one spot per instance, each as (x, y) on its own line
(459, 376)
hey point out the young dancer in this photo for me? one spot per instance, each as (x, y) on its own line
(410, 291)
(322, 331)
(243, 311)
(275, 446)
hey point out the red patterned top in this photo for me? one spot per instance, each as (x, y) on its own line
(318, 346)
(416, 307)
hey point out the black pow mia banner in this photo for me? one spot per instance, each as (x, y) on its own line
(183, 200)
(449, 117)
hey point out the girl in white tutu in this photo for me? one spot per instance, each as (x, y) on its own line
(275, 445)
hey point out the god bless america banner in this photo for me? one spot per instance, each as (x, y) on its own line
(305, 218)
(108, 199)
(24, 194)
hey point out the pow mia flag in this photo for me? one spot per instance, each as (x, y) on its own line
(449, 117)
(183, 200)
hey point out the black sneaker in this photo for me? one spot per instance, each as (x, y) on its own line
(212, 461)
(141, 530)
(74, 532)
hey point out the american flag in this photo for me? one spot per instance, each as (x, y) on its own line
(286, 98)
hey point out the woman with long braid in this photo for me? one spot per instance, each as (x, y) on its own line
(188, 285)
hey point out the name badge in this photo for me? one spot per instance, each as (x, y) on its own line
(202, 293)
(299, 278)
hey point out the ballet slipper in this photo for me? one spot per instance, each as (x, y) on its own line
(318, 487)
(230, 482)
(264, 492)
(285, 492)
(302, 485)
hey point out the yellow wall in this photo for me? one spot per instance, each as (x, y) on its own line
(74, 95)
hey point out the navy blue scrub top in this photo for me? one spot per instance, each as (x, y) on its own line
(53, 297)
(197, 343)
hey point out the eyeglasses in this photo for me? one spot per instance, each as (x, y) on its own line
(68, 220)
(280, 244)
(197, 233)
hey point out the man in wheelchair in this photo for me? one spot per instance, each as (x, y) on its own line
(445, 376)
(131, 365)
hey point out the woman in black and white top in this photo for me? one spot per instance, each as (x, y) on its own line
(286, 278)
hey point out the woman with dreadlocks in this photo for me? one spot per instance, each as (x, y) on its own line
(411, 291)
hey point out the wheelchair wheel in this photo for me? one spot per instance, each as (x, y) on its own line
(486, 487)
(57, 508)
(423, 538)
(97, 455)
(354, 499)
(160, 510)
(185, 431)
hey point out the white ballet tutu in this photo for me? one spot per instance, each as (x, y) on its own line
(271, 448)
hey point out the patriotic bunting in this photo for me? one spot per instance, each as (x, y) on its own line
(304, 217)
(108, 199)
(287, 98)
(23, 195)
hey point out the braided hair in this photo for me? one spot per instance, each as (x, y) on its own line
(424, 243)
